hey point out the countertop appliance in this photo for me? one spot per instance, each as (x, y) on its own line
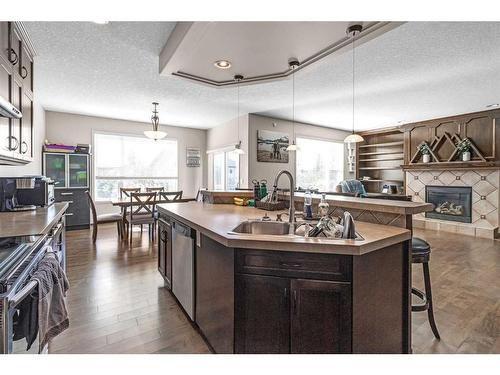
(8, 110)
(390, 189)
(183, 253)
(42, 194)
(9, 188)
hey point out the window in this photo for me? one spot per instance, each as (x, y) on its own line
(320, 164)
(226, 170)
(133, 161)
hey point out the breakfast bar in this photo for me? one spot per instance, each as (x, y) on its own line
(269, 293)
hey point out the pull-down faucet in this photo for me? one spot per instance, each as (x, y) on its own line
(291, 212)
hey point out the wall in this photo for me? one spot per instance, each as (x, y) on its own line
(35, 167)
(224, 137)
(268, 171)
(72, 129)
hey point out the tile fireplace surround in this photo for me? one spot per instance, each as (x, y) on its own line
(485, 186)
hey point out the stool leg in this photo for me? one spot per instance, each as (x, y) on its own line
(428, 293)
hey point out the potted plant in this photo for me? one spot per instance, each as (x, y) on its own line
(425, 151)
(463, 148)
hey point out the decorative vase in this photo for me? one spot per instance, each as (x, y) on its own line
(466, 156)
(426, 158)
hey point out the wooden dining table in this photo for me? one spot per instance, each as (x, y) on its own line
(125, 202)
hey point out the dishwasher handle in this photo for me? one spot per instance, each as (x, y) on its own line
(182, 229)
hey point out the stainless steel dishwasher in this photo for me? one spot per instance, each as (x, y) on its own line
(183, 243)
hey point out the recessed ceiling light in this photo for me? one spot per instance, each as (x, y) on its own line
(222, 64)
(101, 22)
(492, 105)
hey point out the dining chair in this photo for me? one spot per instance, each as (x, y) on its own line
(142, 208)
(170, 195)
(199, 194)
(155, 189)
(104, 218)
(125, 192)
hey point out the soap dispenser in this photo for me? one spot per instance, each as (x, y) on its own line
(308, 205)
(323, 206)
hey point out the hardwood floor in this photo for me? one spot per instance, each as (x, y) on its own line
(117, 302)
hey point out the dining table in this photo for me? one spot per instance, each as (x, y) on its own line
(125, 202)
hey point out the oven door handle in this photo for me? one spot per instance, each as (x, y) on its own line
(21, 295)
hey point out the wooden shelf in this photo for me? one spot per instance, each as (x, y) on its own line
(381, 153)
(374, 180)
(453, 165)
(387, 144)
(380, 168)
(383, 159)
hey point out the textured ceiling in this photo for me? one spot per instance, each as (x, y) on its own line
(417, 71)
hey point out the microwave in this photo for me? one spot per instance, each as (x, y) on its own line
(42, 195)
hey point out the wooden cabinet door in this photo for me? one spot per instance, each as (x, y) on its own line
(15, 129)
(15, 48)
(26, 71)
(4, 40)
(26, 142)
(5, 90)
(165, 251)
(262, 318)
(320, 317)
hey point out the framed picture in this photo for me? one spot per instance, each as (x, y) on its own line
(193, 157)
(271, 146)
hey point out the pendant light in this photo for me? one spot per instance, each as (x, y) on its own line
(353, 31)
(293, 63)
(155, 120)
(237, 146)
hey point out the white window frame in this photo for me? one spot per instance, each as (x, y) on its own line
(123, 134)
(297, 136)
(223, 151)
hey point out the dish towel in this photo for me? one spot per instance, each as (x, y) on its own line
(52, 287)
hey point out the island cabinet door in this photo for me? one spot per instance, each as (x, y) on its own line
(320, 317)
(262, 319)
(165, 251)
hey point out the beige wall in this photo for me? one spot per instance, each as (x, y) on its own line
(72, 129)
(260, 170)
(35, 167)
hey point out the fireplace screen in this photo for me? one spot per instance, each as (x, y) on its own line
(452, 203)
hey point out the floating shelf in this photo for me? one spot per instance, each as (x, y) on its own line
(380, 168)
(383, 159)
(374, 180)
(387, 144)
(389, 152)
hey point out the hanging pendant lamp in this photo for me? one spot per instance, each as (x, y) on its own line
(293, 64)
(352, 31)
(155, 120)
(237, 146)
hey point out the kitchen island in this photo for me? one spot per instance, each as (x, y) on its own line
(268, 293)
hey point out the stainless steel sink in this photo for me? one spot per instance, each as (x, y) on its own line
(277, 228)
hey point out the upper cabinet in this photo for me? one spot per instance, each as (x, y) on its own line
(16, 86)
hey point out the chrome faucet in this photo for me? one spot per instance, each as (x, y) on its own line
(291, 212)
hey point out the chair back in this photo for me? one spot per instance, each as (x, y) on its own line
(155, 189)
(199, 195)
(170, 195)
(142, 204)
(125, 192)
(92, 207)
(353, 187)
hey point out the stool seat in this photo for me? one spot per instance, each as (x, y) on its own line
(420, 250)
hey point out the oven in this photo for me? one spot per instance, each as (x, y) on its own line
(19, 258)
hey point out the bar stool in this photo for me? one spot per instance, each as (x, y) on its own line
(420, 253)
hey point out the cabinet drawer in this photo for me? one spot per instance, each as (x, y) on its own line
(288, 264)
(78, 212)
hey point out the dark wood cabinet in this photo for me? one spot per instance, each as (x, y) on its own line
(165, 251)
(16, 86)
(320, 301)
(262, 314)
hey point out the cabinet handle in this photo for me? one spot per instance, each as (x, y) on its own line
(14, 60)
(9, 147)
(68, 214)
(66, 193)
(23, 143)
(291, 265)
(285, 294)
(295, 302)
(24, 72)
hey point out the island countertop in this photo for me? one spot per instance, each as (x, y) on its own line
(28, 223)
(217, 220)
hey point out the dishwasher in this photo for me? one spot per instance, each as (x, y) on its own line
(183, 244)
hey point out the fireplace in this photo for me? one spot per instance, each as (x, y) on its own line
(452, 203)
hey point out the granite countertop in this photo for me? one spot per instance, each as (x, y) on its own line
(28, 223)
(217, 220)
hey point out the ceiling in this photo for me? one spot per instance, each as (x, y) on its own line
(416, 71)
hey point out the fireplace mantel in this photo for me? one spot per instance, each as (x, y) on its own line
(456, 165)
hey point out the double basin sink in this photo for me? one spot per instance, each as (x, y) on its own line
(276, 228)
